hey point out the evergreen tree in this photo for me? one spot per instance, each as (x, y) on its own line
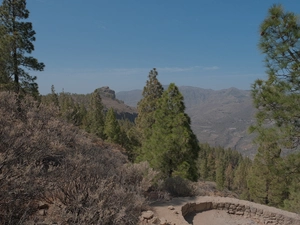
(147, 106)
(277, 101)
(266, 182)
(54, 96)
(277, 98)
(240, 178)
(95, 116)
(5, 79)
(18, 37)
(129, 138)
(292, 165)
(112, 129)
(220, 176)
(172, 147)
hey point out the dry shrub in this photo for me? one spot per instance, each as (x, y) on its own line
(179, 187)
(50, 171)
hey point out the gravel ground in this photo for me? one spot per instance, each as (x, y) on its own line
(218, 217)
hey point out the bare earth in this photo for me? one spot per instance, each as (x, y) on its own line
(218, 217)
(170, 211)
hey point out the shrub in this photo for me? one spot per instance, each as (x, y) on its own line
(50, 171)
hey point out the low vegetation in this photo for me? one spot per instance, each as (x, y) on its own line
(49, 164)
(63, 161)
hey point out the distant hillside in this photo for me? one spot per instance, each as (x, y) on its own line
(109, 100)
(220, 118)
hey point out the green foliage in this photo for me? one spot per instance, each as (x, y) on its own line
(172, 147)
(266, 182)
(240, 178)
(129, 138)
(226, 167)
(112, 129)
(277, 98)
(70, 110)
(220, 173)
(292, 169)
(54, 96)
(16, 43)
(95, 116)
(277, 120)
(147, 106)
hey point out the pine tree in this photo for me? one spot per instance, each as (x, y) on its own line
(172, 147)
(54, 96)
(148, 104)
(129, 138)
(240, 178)
(266, 182)
(277, 98)
(220, 173)
(5, 79)
(95, 115)
(277, 101)
(112, 129)
(292, 169)
(18, 35)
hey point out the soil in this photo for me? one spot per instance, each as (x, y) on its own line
(217, 217)
(170, 211)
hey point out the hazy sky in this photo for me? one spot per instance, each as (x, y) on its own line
(86, 44)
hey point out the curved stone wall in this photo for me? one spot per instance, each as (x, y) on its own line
(260, 213)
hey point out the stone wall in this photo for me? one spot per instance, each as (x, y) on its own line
(260, 213)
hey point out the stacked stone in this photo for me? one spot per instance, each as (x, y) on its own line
(239, 209)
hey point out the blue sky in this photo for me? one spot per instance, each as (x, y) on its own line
(87, 44)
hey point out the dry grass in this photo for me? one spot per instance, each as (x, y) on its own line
(50, 171)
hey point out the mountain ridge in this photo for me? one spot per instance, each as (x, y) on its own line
(219, 117)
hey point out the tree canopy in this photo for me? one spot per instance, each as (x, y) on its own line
(172, 147)
(16, 44)
(148, 104)
(277, 100)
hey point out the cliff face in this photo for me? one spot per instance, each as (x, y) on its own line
(122, 110)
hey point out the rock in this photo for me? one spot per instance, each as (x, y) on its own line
(163, 221)
(147, 215)
(107, 92)
(42, 212)
(171, 207)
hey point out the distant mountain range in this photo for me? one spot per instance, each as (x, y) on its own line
(220, 118)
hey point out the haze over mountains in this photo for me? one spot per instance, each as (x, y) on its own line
(220, 118)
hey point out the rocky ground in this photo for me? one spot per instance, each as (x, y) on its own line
(209, 210)
(217, 217)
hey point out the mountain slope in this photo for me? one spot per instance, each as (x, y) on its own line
(220, 118)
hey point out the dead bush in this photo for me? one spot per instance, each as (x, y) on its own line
(50, 171)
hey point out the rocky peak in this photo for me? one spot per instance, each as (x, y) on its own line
(107, 92)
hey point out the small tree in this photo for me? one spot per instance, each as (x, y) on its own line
(18, 37)
(95, 115)
(112, 129)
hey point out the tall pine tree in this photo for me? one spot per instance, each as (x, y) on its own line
(18, 37)
(278, 102)
(148, 104)
(172, 147)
